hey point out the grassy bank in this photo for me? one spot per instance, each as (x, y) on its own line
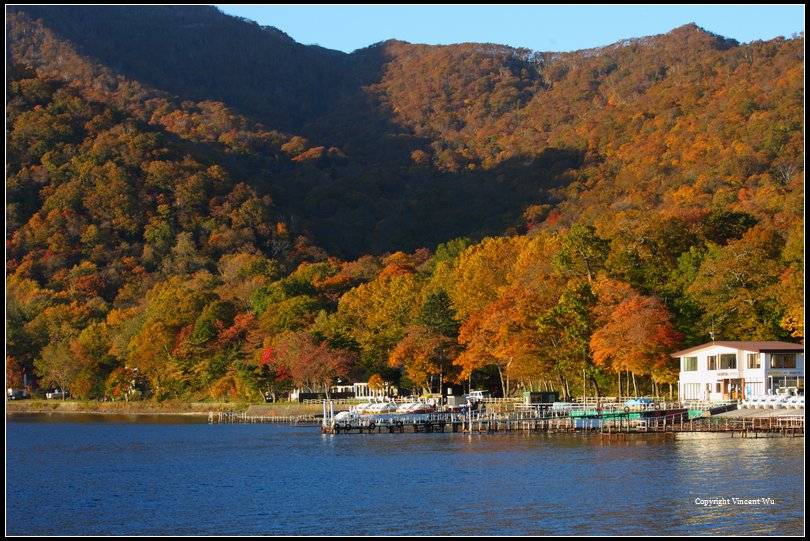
(151, 408)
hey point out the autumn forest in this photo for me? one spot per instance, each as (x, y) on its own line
(200, 208)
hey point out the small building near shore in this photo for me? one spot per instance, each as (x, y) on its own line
(735, 370)
(345, 391)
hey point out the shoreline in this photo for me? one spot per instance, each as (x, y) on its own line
(278, 409)
(164, 408)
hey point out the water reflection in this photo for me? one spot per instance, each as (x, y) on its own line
(134, 418)
(190, 478)
(713, 470)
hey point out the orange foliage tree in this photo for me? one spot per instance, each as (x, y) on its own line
(419, 353)
(637, 336)
(312, 362)
(502, 335)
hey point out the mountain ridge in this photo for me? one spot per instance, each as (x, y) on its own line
(435, 117)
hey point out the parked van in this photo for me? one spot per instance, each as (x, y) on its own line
(18, 394)
(477, 396)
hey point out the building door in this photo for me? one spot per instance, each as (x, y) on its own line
(732, 389)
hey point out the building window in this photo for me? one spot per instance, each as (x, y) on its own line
(783, 360)
(753, 360)
(718, 388)
(712, 362)
(791, 381)
(728, 361)
(689, 364)
(691, 391)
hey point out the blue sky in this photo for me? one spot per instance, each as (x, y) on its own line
(539, 27)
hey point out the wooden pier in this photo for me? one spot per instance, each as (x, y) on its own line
(603, 426)
(608, 424)
(226, 417)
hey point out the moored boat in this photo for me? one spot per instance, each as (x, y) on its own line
(385, 406)
(364, 407)
(417, 406)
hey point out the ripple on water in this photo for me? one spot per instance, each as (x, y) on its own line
(131, 478)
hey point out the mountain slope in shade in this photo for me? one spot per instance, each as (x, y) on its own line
(400, 145)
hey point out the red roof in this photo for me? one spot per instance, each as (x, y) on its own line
(759, 347)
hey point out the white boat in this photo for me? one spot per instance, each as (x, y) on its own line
(386, 406)
(406, 407)
(753, 402)
(417, 406)
(346, 419)
(363, 407)
(759, 402)
(776, 401)
(795, 402)
(346, 416)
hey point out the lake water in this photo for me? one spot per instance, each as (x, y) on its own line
(149, 476)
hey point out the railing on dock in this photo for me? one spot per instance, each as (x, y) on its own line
(227, 417)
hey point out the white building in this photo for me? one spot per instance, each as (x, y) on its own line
(360, 390)
(735, 370)
(357, 390)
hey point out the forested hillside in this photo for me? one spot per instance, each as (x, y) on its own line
(206, 207)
